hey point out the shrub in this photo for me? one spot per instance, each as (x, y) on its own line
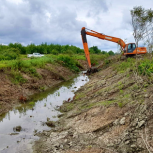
(68, 62)
(54, 52)
(9, 54)
(17, 77)
(146, 67)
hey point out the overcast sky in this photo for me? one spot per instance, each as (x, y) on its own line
(60, 21)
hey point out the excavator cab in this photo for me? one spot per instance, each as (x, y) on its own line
(131, 47)
(131, 50)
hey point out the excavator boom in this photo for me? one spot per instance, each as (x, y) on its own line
(100, 36)
(128, 49)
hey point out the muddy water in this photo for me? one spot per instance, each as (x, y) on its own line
(18, 127)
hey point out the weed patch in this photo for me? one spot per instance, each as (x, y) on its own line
(32, 103)
(69, 62)
(146, 67)
(9, 54)
(16, 77)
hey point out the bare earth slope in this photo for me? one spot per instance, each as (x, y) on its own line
(112, 113)
(11, 94)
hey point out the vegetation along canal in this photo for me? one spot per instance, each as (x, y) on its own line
(18, 127)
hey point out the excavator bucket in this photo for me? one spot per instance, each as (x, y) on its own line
(92, 70)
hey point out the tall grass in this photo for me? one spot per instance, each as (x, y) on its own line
(69, 62)
(142, 66)
(9, 54)
(27, 66)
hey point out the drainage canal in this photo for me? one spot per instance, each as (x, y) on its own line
(18, 127)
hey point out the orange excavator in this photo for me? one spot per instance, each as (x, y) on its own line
(129, 49)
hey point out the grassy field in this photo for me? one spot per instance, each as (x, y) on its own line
(29, 66)
(24, 62)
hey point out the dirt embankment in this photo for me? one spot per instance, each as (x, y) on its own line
(112, 113)
(11, 94)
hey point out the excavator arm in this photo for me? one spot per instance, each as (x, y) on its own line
(84, 32)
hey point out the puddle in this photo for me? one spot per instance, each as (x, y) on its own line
(18, 127)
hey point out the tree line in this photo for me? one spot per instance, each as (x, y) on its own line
(11, 51)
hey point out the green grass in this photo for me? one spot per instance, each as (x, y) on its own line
(19, 63)
(143, 66)
(146, 67)
(69, 62)
(32, 103)
(124, 65)
(29, 65)
(16, 77)
(78, 96)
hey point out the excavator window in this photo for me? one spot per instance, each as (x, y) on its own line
(131, 48)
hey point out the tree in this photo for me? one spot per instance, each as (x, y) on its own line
(142, 22)
(111, 53)
(54, 52)
(94, 49)
(103, 52)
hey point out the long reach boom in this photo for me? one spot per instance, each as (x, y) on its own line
(128, 49)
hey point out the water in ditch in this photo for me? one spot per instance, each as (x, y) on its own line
(18, 127)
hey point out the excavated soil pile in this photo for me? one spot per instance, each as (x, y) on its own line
(112, 113)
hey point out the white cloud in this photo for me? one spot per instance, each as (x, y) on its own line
(60, 21)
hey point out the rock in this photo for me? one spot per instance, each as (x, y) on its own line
(14, 133)
(146, 96)
(133, 146)
(60, 115)
(116, 122)
(141, 123)
(122, 121)
(50, 123)
(126, 114)
(135, 122)
(48, 119)
(17, 128)
(110, 145)
(127, 142)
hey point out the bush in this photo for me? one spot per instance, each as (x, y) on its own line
(17, 77)
(123, 66)
(111, 53)
(146, 67)
(68, 62)
(9, 54)
(54, 52)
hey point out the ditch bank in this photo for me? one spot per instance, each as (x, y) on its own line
(19, 126)
(112, 113)
(12, 93)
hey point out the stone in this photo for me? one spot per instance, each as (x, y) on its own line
(146, 96)
(133, 146)
(50, 123)
(127, 142)
(116, 122)
(17, 128)
(122, 121)
(135, 122)
(126, 114)
(48, 119)
(141, 123)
